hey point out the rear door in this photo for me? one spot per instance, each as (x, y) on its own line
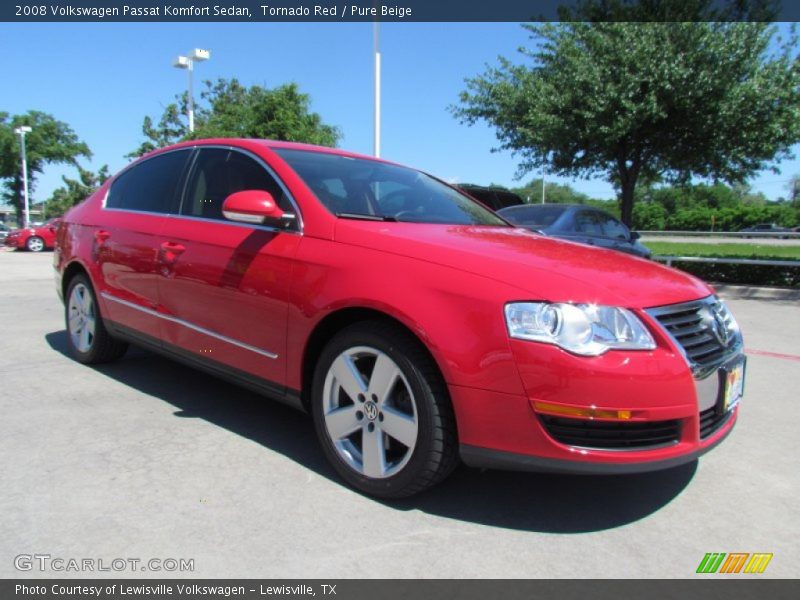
(126, 242)
(223, 286)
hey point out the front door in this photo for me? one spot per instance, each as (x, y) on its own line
(223, 286)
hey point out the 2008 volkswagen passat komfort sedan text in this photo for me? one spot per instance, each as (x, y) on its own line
(415, 325)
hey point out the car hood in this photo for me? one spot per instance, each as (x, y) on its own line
(544, 268)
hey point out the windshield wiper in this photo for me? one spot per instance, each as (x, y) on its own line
(365, 217)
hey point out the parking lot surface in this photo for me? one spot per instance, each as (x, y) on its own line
(146, 458)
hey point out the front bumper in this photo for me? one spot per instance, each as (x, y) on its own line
(656, 388)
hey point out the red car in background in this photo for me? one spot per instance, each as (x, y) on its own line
(34, 239)
(414, 324)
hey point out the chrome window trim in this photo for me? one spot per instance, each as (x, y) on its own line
(296, 229)
(189, 325)
(232, 223)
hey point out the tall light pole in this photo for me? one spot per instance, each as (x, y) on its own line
(377, 123)
(543, 174)
(21, 131)
(187, 62)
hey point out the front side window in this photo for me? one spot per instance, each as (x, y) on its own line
(362, 188)
(150, 185)
(220, 172)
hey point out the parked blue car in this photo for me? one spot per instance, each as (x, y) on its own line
(577, 223)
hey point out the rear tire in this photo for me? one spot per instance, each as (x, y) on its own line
(87, 337)
(382, 411)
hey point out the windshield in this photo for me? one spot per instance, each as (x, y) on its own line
(361, 188)
(537, 217)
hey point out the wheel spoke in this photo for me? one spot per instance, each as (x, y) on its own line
(84, 339)
(341, 422)
(348, 377)
(399, 426)
(373, 453)
(79, 301)
(74, 321)
(90, 326)
(384, 375)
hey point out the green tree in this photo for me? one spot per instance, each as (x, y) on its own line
(50, 142)
(229, 109)
(649, 216)
(644, 101)
(75, 190)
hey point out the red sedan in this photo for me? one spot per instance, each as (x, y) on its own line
(416, 326)
(34, 239)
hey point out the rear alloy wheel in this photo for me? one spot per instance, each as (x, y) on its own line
(382, 411)
(34, 244)
(88, 340)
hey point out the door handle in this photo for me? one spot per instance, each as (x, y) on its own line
(170, 251)
(172, 247)
(101, 235)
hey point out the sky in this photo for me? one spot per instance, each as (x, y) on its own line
(103, 78)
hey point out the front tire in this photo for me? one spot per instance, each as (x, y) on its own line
(88, 340)
(34, 244)
(382, 412)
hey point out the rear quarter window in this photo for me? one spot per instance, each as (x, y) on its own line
(150, 185)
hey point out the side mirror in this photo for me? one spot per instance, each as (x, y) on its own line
(635, 236)
(252, 206)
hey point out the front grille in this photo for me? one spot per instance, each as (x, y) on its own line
(704, 329)
(711, 420)
(612, 435)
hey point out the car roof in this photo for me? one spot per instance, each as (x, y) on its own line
(547, 206)
(271, 144)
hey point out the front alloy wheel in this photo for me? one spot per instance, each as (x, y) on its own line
(382, 411)
(35, 244)
(370, 412)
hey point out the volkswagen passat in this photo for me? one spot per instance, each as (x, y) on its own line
(416, 326)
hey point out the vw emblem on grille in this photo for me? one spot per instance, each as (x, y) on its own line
(718, 326)
(371, 410)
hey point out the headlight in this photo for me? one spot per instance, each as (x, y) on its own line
(585, 329)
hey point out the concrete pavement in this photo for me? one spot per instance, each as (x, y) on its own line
(146, 458)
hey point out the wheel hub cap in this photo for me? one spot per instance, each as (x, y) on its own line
(370, 412)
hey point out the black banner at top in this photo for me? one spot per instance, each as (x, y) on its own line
(392, 10)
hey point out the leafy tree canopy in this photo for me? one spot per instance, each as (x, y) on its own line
(50, 142)
(229, 109)
(75, 190)
(643, 101)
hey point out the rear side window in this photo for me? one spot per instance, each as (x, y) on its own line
(588, 223)
(220, 172)
(613, 228)
(150, 185)
(505, 199)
